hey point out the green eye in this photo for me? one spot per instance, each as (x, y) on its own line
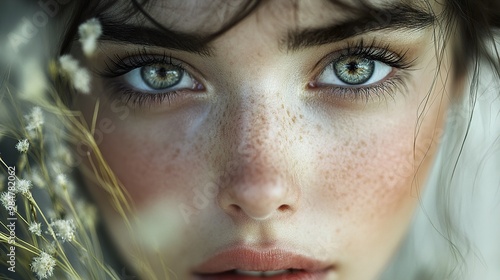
(354, 70)
(161, 76)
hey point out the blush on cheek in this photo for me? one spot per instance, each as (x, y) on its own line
(370, 174)
(151, 168)
(141, 179)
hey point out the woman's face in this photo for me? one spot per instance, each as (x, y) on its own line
(288, 144)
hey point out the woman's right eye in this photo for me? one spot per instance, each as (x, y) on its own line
(160, 78)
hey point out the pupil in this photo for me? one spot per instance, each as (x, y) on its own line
(352, 67)
(162, 72)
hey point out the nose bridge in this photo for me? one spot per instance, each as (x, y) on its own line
(255, 131)
(255, 145)
(255, 180)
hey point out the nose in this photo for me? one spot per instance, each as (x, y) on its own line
(256, 190)
(253, 192)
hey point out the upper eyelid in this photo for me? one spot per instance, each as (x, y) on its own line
(119, 65)
(122, 65)
(375, 53)
(399, 59)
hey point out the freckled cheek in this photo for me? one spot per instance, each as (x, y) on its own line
(369, 176)
(368, 184)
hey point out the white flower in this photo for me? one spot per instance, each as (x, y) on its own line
(62, 184)
(89, 31)
(63, 153)
(7, 200)
(23, 145)
(80, 77)
(37, 178)
(68, 63)
(34, 80)
(43, 265)
(35, 119)
(23, 186)
(63, 229)
(61, 179)
(36, 228)
(57, 167)
(81, 80)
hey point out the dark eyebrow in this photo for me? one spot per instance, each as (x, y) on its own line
(374, 19)
(151, 36)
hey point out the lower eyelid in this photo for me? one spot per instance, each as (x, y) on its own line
(386, 89)
(136, 98)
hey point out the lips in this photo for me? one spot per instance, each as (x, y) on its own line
(245, 263)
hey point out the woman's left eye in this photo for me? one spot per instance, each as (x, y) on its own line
(354, 70)
(160, 78)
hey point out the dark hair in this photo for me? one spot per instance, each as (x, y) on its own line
(472, 21)
(476, 22)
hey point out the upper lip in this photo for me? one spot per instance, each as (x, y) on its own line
(254, 259)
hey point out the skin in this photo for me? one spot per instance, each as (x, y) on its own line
(259, 158)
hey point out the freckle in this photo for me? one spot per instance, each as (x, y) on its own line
(176, 153)
(282, 106)
(301, 116)
(288, 113)
(294, 119)
(318, 127)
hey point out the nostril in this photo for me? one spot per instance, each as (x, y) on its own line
(284, 208)
(256, 213)
(235, 208)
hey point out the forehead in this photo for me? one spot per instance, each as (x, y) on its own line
(205, 17)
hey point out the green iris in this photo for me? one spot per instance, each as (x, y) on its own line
(354, 70)
(161, 76)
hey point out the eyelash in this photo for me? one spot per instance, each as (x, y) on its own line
(387, 88)
(120, 66)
